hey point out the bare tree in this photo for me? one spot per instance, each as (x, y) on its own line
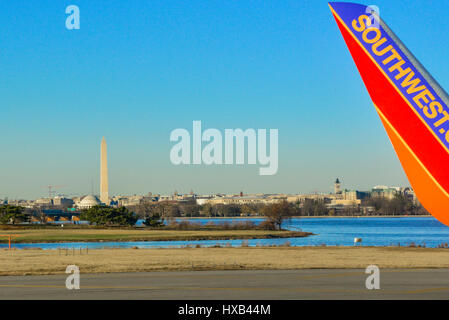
(277, 213)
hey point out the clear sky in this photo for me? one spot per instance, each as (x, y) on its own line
(136, 70)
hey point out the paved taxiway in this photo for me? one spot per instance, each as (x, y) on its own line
(223, 285)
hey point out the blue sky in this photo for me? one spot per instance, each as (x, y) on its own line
(136, 70)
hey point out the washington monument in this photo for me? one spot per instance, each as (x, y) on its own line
(104, 187)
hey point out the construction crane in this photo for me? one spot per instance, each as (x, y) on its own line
(51, 190)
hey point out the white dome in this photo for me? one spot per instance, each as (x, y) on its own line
(88, 202)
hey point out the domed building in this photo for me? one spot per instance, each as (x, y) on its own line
(88, 202)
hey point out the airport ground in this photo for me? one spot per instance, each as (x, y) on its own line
(255, 285)
(227, 273)
(43, 262)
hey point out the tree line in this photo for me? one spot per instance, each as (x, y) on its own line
(399, 205)
(157, 215)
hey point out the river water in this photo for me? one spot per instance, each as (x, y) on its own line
(328, 231)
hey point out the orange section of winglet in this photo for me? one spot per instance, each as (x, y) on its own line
(428, 192)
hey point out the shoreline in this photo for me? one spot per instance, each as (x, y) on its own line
(34, 236)
(307, 217)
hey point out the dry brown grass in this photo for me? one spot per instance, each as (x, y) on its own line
(27, 262)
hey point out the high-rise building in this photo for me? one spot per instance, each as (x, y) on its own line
(104, 186)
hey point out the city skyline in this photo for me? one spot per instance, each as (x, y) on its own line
(337, 188)
(339, 199)
(104, 196)
(103, 190)
(136, 72)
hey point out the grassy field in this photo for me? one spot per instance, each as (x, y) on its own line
(31, 235)
(29, 262)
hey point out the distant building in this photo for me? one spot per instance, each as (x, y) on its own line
(337, 186)
(338, 199)
(410, 194)
(178, 197)
(20, 203)
(63, 202)
(345, 202)
(385, 192)
(88, 202)
(134, 200)
(321, 197)
(245, 200)
(202, 200)
(355, 195)
(41, 202)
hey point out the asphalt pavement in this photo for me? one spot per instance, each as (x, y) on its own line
(234, 285)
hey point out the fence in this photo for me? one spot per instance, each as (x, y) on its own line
(73, 251)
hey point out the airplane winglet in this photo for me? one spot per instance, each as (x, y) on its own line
(412, 106)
